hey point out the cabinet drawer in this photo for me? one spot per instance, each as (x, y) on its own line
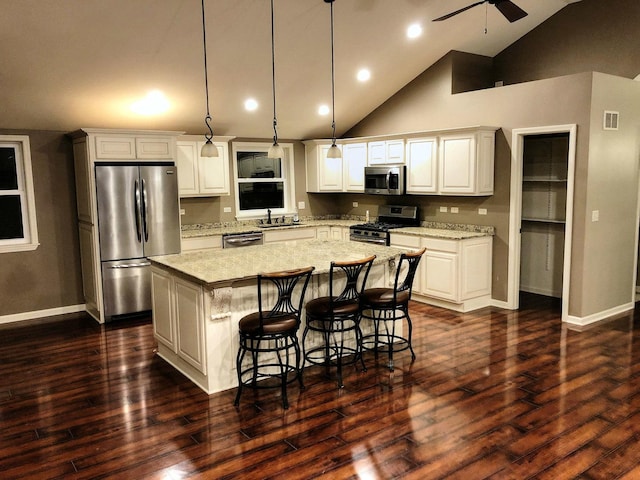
(401, 240)
(442, 245)
(201, 243)
(115, 148)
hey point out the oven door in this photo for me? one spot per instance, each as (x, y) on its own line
(369, 236)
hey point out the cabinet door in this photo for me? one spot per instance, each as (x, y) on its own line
(154, 148)
(377, 153)
(414, 243)
(164, 329)
(457, 164)
(355, 159)
(329, 171)
(213, 172)
(422, 166)
(190, 326)
(440, 275)
(336, 233)
(110, 147)
(187, 162)
(289, 234)
(323, 233)
(475, 268)
(395, 151)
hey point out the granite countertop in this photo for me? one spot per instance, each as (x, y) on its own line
(452, 231)
(217, 268)
(207, 230)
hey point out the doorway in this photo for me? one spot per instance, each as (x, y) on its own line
(541, 206)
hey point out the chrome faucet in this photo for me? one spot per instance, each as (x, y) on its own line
(269, 216)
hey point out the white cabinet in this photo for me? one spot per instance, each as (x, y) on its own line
(422, 165)
(455, 274)
(201, 243)
(386, 151)
(355, 159)
(178, 308)
(323, 174)
(202, 176)
(289, 234)
(128, 147)
(89, 261)
(466, 162)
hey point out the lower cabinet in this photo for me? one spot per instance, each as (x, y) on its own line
(332, 233)
(201, 243)
(289, 234)
(455, 274)
(177, 313)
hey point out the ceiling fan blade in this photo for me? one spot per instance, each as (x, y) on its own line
(449, 15)
(510, 10)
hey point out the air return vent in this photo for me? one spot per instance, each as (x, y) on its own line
(610, 120)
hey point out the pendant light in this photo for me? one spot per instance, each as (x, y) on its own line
(334, 151)
(208, 149)
(275, 151)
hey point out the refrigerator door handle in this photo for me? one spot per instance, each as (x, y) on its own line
(138, 212)
(144, 211)
(130, 265)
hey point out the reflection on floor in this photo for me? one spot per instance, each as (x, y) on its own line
(492, 394)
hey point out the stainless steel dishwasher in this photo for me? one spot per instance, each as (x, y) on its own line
(235, 240)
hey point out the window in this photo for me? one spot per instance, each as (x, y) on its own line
(262, 183)
(18, 229)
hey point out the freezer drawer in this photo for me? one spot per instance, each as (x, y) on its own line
(126, 286)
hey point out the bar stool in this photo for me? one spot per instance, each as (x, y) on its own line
(387, 306)
(335, 315)
(273, 332)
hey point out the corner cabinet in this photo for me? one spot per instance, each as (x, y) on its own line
(466, 162)
(202, 176)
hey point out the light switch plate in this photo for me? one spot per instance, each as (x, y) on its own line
(227, 209)
(482, 211)
(454, 210)
(443, 209)
(355, 204)
(182, 211)
(301, 206)
(595, 215)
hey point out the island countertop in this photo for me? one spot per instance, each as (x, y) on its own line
(215, 267)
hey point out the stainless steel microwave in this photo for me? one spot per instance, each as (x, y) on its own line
(385, 180)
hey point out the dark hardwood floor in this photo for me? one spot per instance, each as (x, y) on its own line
(492, 394)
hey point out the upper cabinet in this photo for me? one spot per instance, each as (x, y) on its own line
(386, 152)
(466, 162)
(422, 165)
(130, 147)
(202, 176)
(323, 174)
(354, 156)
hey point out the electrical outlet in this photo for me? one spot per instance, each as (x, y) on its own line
(444, 209)
(595, 215)
(301, 206)
(482, 211)
(182, 211)
(454, 210)
(227, 209)
(355, 204)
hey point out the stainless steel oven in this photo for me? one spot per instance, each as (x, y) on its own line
(389, 217)
(235, 240)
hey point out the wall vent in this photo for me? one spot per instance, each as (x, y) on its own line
(610, 120)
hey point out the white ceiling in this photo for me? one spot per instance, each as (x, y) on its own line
(68, 64)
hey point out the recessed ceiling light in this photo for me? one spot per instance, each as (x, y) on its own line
(323, 110)
(364, 74)
(250, 104)
(414, 30)
(154, 103)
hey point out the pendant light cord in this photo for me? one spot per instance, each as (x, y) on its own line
(273, 77)
(333, 86)
(207, 119)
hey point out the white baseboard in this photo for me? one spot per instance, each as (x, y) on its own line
(49, 312)
(599, 316)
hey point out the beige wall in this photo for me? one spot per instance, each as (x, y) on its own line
(48, 277)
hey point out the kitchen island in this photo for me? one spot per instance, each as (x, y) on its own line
(199, 298)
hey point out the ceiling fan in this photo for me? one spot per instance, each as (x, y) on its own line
(510, 10)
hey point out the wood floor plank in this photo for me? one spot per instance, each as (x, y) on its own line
(492, 394)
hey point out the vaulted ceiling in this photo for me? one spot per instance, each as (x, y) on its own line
(68, 64)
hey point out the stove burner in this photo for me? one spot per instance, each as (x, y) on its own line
(378, 226)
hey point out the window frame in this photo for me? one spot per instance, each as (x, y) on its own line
(29, 240)
(287, 176)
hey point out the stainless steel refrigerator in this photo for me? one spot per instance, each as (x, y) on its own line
(138, 217)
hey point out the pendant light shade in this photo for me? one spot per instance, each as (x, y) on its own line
(334, 151)
(208, 149)
(275, 151)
